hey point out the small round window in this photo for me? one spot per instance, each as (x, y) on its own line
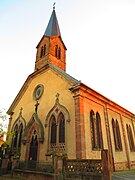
(38, 91)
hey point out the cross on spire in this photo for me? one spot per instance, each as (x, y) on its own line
(54, 5)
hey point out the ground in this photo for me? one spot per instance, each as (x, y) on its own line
(123, 175)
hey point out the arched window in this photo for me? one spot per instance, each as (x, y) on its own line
(59, 53)
(42, 52)
(16, 136)
(53, 130)
(96, 131)
(99, 131)
(116, 134)
(92, 129)
(56, 51)
(61, 129)
(20, 135)
(57, 128)
(33, 146)
(130, 138)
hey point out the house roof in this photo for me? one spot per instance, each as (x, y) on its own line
(75, 85)
(53, 26)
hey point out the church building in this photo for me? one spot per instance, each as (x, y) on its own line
(55, 113)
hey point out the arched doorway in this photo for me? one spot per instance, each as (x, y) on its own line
(33, 147)
(32, 138)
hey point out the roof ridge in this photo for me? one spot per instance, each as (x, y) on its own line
(64, 73)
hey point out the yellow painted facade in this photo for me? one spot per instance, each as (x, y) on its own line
(53, 84)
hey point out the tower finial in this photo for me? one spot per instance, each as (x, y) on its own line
(54, 5)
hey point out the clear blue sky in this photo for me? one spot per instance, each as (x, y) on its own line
(99, 36)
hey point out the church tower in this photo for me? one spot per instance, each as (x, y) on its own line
(51, 48)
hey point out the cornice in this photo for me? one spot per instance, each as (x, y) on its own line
(84, 90)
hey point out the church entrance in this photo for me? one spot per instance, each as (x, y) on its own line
(33, 151)
(33, 136)
(33, 147)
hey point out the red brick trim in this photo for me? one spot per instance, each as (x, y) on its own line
(126, 145)
(110, 151)
(79, 127)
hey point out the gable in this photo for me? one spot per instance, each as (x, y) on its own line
(52, 78)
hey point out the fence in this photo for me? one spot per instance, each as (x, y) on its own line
(35, 166)
(88, 169)
(65, 168)
(83, 169)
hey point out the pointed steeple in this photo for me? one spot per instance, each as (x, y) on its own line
(53, 26)
(51, 48)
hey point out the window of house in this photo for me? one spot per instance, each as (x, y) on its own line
(130, 138)
(57, 132)
(17, 139)
(61, 129)
(57, 52)
(53, 130)
(43, 51)
(117, 136)
(99, 132)
(92, 129)
(16, 136)
(96, 131)
(20, 135)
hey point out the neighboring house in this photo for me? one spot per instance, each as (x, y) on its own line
(54, 112)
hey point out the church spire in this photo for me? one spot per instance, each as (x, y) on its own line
(51, 49)
(53, 26)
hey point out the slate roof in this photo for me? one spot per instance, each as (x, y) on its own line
(65, 74)
(74, 84)
(53, 26)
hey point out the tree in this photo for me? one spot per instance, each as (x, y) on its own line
(3, 129)
(3, 122)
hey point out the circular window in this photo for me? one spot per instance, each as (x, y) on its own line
(38, 91)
